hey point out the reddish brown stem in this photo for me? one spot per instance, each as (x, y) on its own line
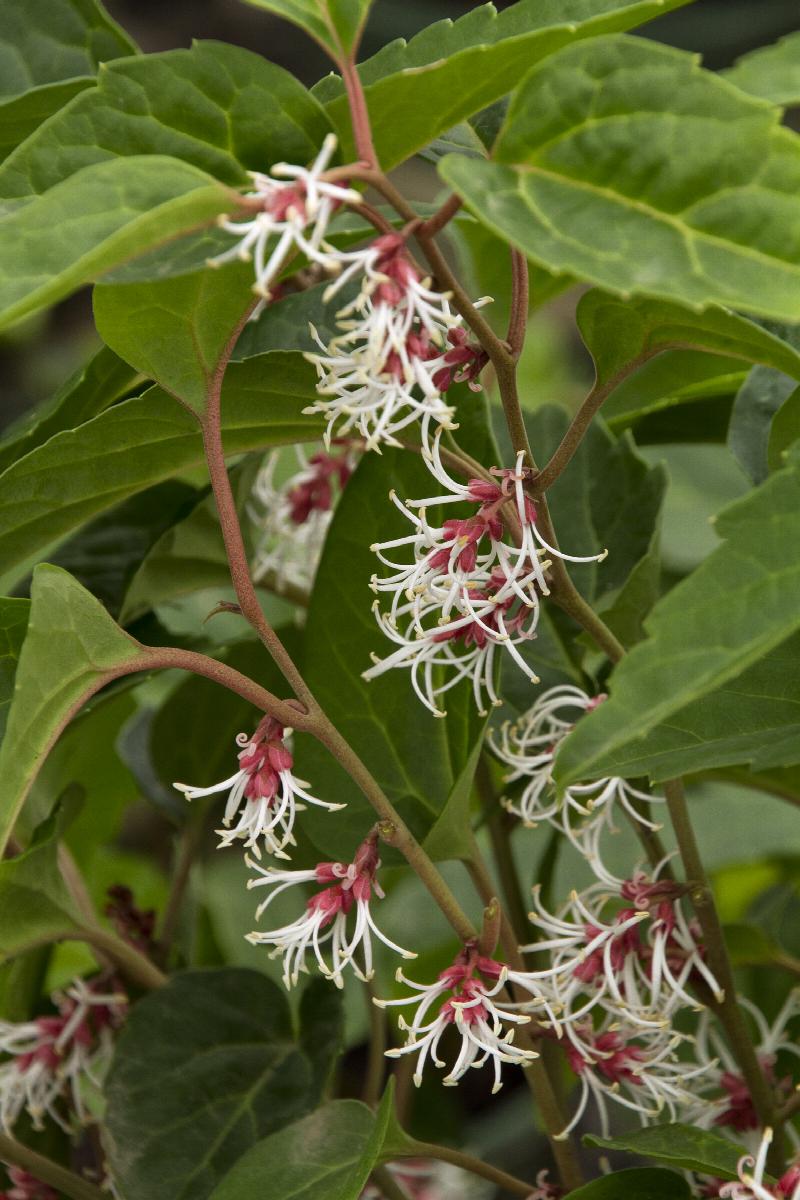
(443, 216)
(520, 300)
(359, 113)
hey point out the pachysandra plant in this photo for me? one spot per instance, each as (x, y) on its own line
(443, 605)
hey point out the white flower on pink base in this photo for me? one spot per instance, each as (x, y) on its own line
(293, 208)
(462, 998)
(583, 811)
(263, 795)
(461, 590)
(751, 1184)
(293, 518)
(632, 955)
(624, 1065)
(50, 1057)
(325, 927)
(400, 347)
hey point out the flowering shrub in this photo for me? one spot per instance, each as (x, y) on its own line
(550, 766)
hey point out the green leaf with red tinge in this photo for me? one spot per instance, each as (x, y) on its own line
(336, 24)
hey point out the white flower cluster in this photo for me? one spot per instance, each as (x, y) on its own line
(49, 1060)
(462, 589)
(583, 811)
(292, 519)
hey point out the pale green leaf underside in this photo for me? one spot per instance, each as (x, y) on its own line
(47, 41)
(34, 901)
(335, 24)
(618, 333)
(785, 430)
(71, 649)
(22, 115)
(734, 609)
(98, 218)
(753, 719)
(771, 72)
(219, 108)
(140, 442)
(318, 1158)
(592, 185)
(452, 69)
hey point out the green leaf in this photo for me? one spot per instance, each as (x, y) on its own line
(382, 720)
(175, 330)
(631, 604)
(674, 380)
(784, 431)
(323, 1157)
(204, 1068)
(93, 387)
(735, 608)
(452, 69)
(451, 836)
(618, 334)
(771, 72)
(219, 108)
(644, 1183)
(682, 1146)
(34, 901)
(336, 24)
(71, 649)
(758, 400)
(749, 946)
(321, 1028)
(701, 735)
(46, 41)
(99, 217)
(139, 443)
(49, 51)
(13, 625)
(592, 186)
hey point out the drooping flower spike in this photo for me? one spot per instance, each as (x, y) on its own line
(400, 347)
(461, 590)
(583, 811)
(324, 926)
(462, 997)
(264, 796)
(295, 206)
(294, 518)
(50, 1057)
(751, 1184)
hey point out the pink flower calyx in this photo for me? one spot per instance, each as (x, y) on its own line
(752, 1185)
(264, 795)
(463, 362)
(314, 491)
(24, 1186)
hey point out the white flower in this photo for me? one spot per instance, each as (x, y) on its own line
(263, 793)
(463, 998)
(633, 963)
(639, 1070)
(461, 590)
(751, 1184)
(583, 811)
(295, 206)
(49, 1057)
(394, 356)
(293, 519)
(324, 924)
